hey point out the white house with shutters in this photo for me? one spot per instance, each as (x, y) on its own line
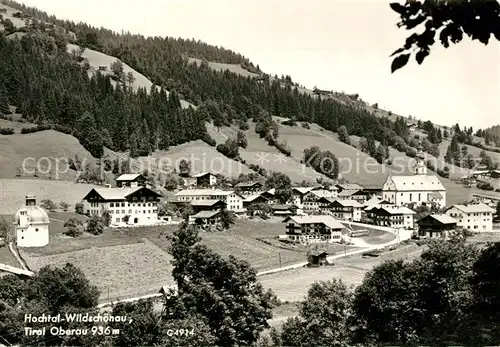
(419, 188)
(473, 217)
(233, 200)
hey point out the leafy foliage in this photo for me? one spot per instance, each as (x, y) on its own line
(452, 19)
(74, 227)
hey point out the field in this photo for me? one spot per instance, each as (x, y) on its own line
(235, 68)
(125, 270)
(13, 192)
(293, 285)
(97, 59)
(43, 150)
(18, 23)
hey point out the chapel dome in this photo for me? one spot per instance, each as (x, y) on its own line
(36, 214)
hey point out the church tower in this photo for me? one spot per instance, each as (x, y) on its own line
(420, 167)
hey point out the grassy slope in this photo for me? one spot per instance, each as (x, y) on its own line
(258, 148)
(13, 192)
(48, 144)
(18, 23)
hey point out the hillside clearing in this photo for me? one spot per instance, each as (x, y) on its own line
(124, 271)
(235, 68)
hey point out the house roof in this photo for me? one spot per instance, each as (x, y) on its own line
(474, 208)
(322, 193)
(117, 193)
(204, 192)
(205, 214)
(303, 190)
(348, 203)
(417, 183)
(210, 202)
(248, 184)
(394, 210)
(349, 186)
(201, 174)
(329, 221)
(254, 197)
(128, 177)
(442, 218)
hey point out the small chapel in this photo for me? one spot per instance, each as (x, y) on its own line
(31, 224)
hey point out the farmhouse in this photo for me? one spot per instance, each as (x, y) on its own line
(417, 189)
(204, 179)
(348, 210)
(32, 225)
(249, 188)
(283, 210)
(348, 187)
(254, 200)
(207, 205)
(317, 199)
(127, 206)
(130, 181)
(473, 217)
(206, 218)
(394, 217)
(233, 200)
(436, 225)
(312, 229)
(298, 194)
(358, 195)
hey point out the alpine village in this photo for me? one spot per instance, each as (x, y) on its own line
(173, 194)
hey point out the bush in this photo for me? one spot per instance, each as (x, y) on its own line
(289, 122)
(48, 205)
(35, 129)
(6, 131)
(485, 186)
(305, 125)
(64, 206)
(243, 126)
(95, 226)
(79, 208)
(73, 227)
(209, 140)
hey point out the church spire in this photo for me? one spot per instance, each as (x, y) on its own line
(420, 167)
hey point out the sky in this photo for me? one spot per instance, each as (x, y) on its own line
(340, 45)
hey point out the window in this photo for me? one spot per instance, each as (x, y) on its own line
(36, 229)
(123, 211)
(117, 220)
(123, 204)
(111, 204)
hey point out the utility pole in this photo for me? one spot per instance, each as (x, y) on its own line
(279, 255)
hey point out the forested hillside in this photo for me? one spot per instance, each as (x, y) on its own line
(59, 92)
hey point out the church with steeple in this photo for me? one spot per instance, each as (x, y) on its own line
(419, 188)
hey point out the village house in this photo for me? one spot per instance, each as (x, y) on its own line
(347, 210)
(359, 195)
(249, 188)
(127, 206)
(419, 188)
(473, 217)
(283, 210)
(233, 200)
(254, 200)
(207, 205)
(341, 187)
(204, 180)
(206, 219)
(312, 229)
(392, 216)
(298, 194)
(131, 181)
(436, 226)
(31, 224)
(487, 199)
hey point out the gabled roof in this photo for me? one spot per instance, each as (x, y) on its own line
(117, 193)
(347, 203)
(248, 184)
(327, 220)
(321, 193)
(349, 186)
(393, 210)
(206, 202)
(254, 197)
(473, 208)
(441, 218)
(201, 174)
(417, 183)
(303, 190)
(129, 177)
(204, 192)
(205, 214)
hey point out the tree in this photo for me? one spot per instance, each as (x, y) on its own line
(223, 292)
(344, 135)
(95, 226)
(64, 205)
(74, 227)
(48, 205)
(477, 19)
(4, 101)
(229, 148)
(324, 318)
(173, 181)
(9, 26)
(184, 168)
(5, 228)
(106, 218)
(79, 208)
(241, 139)
(226, 218)
(117, 69)
(282, 185)
(380, 155)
